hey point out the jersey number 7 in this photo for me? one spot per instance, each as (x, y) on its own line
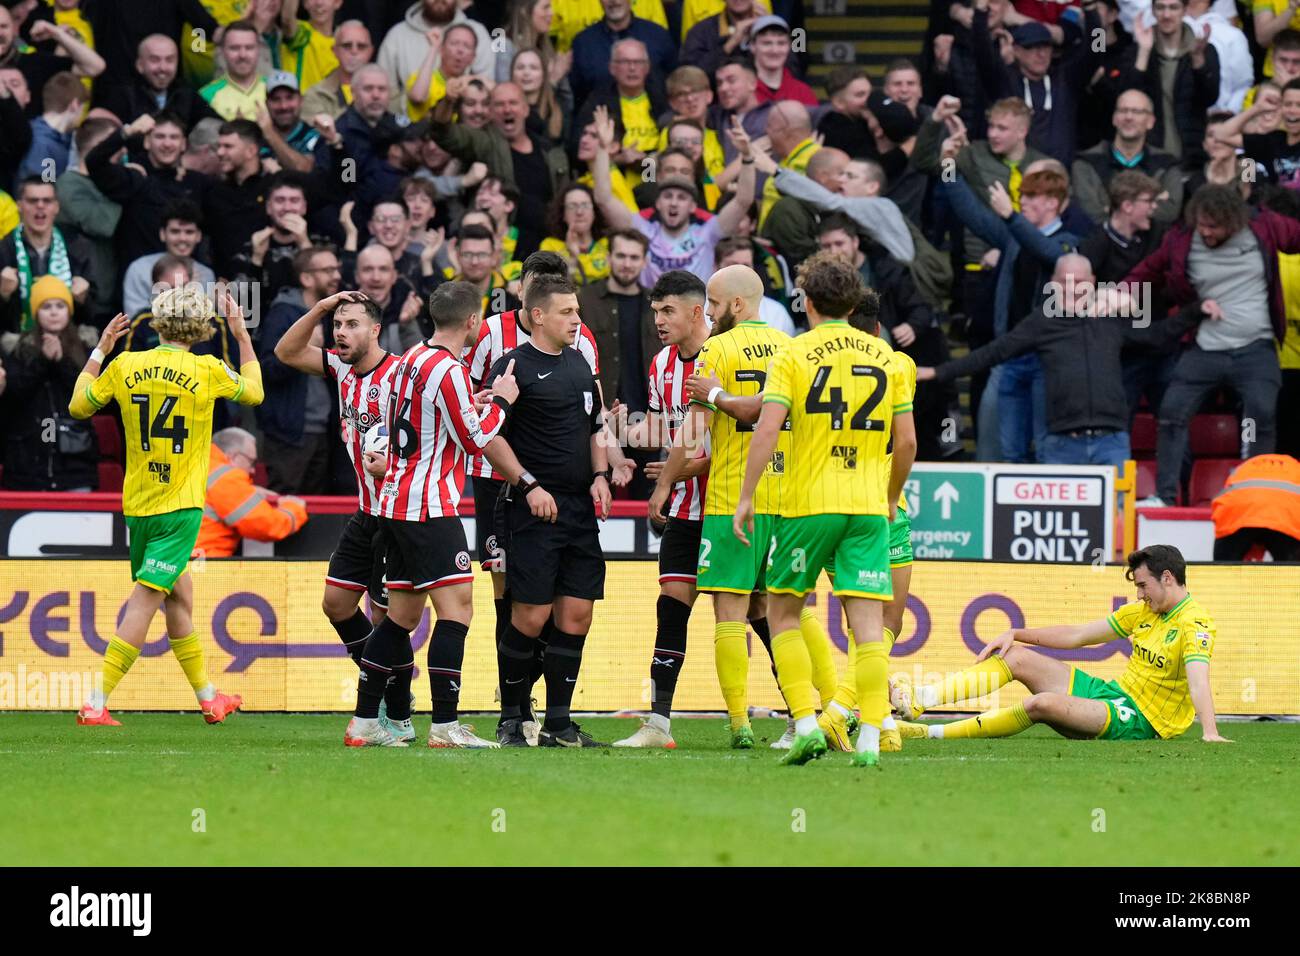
(836, 407)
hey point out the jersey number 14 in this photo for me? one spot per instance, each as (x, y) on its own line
(159, 428)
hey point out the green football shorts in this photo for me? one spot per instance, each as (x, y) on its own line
(900, 540)
(726, 564)
(856, 546)
(1126, 720)
(161, 546)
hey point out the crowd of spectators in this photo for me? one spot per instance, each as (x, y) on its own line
(1087, 213)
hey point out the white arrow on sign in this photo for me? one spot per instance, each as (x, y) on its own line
(946, 494)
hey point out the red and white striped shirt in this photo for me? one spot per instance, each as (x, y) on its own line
(502, 333)
(363, 402)
(668, 374)
(433, 426)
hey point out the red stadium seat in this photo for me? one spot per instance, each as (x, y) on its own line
(1142, 438)
(1146, 478)
(110, 476)
(1208, 477)
(1215, 436)
(110, 442)
(259, 475)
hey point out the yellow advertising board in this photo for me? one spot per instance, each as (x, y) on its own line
(267, 639)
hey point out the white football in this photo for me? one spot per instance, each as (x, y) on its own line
(377, 438)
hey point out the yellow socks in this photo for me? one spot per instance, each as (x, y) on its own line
(846, 694)
(794, 673)
(189, 652)
(731, 655)
(983, 678)
(996, 723)
(818, 643)
(890, 639)
(871, 670)
(118, 658)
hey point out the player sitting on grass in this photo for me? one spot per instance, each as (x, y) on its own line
(1166, 683)
(165, 395)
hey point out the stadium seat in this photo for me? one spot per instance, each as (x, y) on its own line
(110, 476)
(1142, 437)
(1208, 477)
(1146, 478)
(110, 442)
(259, 475)
(1215, 436)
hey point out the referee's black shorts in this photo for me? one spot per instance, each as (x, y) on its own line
(486, 534)
(357, 563)
(544, 560)
(679, 550)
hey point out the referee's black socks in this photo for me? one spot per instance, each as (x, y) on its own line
(563, 661)
(538, 667)
(514, 663)
(669, 652)
(387, 657)
(759, 624)
(446, 655)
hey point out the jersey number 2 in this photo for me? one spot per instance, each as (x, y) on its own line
(836, 407)
(159, 428)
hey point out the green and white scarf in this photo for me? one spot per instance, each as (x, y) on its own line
(59, 267)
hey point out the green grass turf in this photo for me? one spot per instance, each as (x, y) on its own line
(282, 789)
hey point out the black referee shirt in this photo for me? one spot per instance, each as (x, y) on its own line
(551, 422)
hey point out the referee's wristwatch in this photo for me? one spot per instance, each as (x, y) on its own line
(527, 483)
(606, 474)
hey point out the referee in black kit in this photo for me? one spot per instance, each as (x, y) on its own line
(555, 568)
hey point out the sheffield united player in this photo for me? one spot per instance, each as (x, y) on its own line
(362, 371)
(432, 424)
(554, 563)
(677, 301)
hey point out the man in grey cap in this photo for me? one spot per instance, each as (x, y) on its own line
(293, 142)
(1051, 90)
(678, 238)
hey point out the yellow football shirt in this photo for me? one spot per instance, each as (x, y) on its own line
(693, 11)
(231, 101)
(308, 55)
(798, 161)
(618, 186)
(571, 17)
(904, 396)
(1289, 276)
(592, 264)
(165, 396)
(1273, 6)
(437, 90)
(739, 358)
(642, 130)
(1163, 644)
(838, 384)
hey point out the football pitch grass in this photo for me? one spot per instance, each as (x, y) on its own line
(281, 789)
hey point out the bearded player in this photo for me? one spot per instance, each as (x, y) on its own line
(362, 373)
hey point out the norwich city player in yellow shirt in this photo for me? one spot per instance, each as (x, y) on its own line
(737, 353)
(165, 396)
(1165, 686)
(835, 386)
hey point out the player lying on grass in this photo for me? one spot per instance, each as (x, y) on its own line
(165, 396)
(1166, 683)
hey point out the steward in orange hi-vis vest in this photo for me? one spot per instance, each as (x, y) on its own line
(1262, 492)
(235, 508)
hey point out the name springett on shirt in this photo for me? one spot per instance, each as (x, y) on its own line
(840, 343)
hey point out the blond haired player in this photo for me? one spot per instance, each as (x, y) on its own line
(835, 385)
(1166, 683)
(165, 395)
